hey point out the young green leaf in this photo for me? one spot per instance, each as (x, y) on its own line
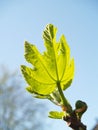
(56, 114)
(50, 67)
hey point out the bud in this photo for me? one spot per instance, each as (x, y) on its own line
(81, 107)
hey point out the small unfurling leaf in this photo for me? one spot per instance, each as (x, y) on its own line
(56, 114)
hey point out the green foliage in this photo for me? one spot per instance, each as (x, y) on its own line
(50, 67)
(51, 73)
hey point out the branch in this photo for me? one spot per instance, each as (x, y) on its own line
(74, 122)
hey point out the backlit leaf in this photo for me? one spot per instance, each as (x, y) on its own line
(50, 67)
(56, 114)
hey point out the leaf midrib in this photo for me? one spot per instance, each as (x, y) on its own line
(52, 40)
(46, 69)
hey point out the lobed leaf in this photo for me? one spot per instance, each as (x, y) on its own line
(53, 66)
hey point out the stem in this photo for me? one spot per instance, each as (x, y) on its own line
(74, 123)
(64, 100)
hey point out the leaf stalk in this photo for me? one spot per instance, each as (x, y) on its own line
(65, 104)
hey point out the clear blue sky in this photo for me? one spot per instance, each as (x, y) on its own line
(22, 20)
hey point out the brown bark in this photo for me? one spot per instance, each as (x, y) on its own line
(74, 122)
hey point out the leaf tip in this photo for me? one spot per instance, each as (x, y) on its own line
(49, 32)
(29, 89)
(22, 67)
(26, 44)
